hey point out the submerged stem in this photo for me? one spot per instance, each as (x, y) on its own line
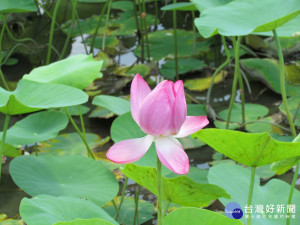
(175, 41)
(224, 64)
(1, 37)
(74, 2)
(252, 179)
(142, 31)
(105, 26)
(282, 84)
(146, 31)
(159, 193)
(52, 31)
(6, 122)
(97, 27)
(83, 137)
(122, 197)
(235, 79)
(136, 199)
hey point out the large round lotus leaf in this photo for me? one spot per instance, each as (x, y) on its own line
(180, 6)
(74, 176)
(196, 216)
(70, 144)
(268, 72)
(17, 6)
(76, 71)
(37, 127)
(249, 149)
(244, 17)
(205, 4)
(184, 65)
(252, 112)
(31, 96)
(114, 104)
(47, 210)
(236, 179)
(289, 29)
(161, 44)
(85, 222)
(181, 190)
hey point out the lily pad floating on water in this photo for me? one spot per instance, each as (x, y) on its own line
(31, 96)
(161, 44)
(243, 17)
(64, 176)
(110, 41)
(184, 65)
(249, 149)
(294, 108)
(196, 216)
(17, 6)
(76, 71)
(252, 112)
(274, 192)
(37, 127)
(127, 211)
(181, 190)
(70, 144)
(201, 84)
(48, 210)
(267, 71)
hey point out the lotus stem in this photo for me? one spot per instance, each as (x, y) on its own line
(142, 33)
(52, 31)
(146, 30)
(1, 38)
(122, 197)
(48, 14)
(74, 3)
(282, 84)
(159, 193)
(295, 177)
(250, 193)
(81, 122)
(136, 17)
(80, 31)
(136, 211)
(6, 122)
(156, 12)
(83, 138)
(217, 71)
(175, 41)
(106, 23)
(194, 33)
(97, 27)
(242, 89)
(235, 79)
(36, 149)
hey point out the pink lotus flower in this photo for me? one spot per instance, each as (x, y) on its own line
(162, 115)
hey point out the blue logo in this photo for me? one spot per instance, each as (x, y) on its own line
(233, 210)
